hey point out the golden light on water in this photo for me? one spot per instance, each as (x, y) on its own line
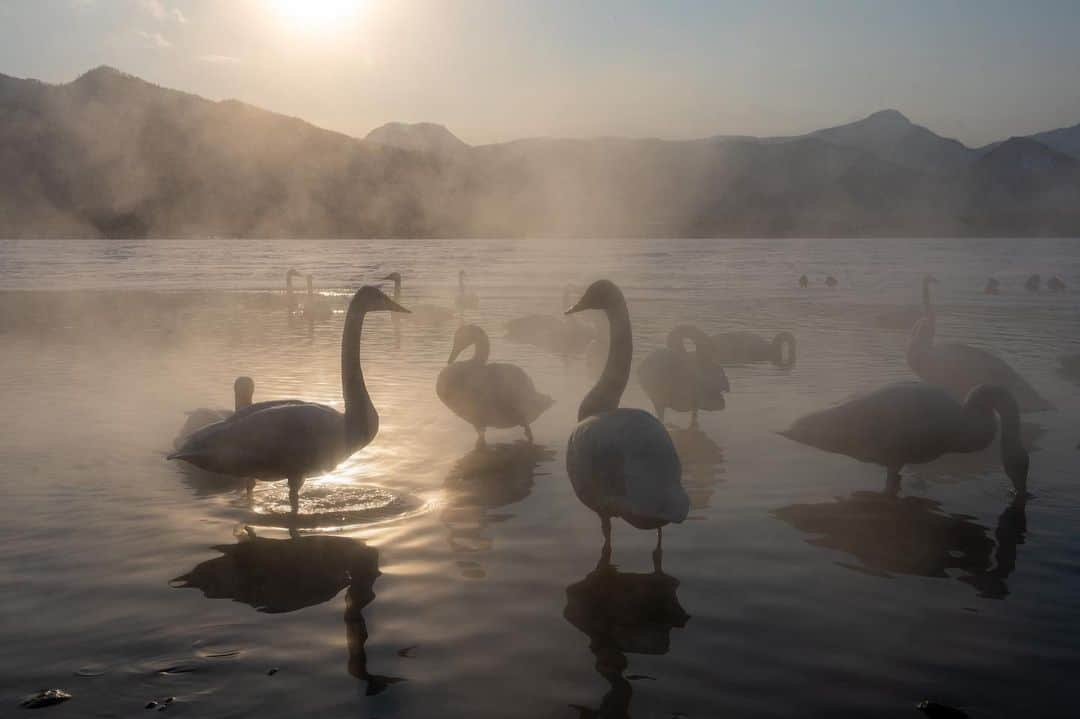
(317, 15)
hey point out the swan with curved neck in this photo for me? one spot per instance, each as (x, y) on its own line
(684, 381)
(484, 394)
(621, 462)
(294, 439)
(960, 368)
(915, 423)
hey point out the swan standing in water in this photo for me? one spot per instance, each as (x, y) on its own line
(297, 439)
(622, 462)
(486, 395)
(466, 298)
(683, 381)
(315, 308)
(428, 314)
(960, 368)
(915, 423)
(745, 347)
(243, 392)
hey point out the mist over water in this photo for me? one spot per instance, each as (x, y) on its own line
(435, 580)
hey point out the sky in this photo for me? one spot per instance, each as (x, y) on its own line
(496, 70)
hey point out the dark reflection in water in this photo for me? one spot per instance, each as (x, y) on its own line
(702, 459)
(284, 575)
(487, 478)
(911, 535)
(623, 613)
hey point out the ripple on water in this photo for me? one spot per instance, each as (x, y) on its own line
(333, 505)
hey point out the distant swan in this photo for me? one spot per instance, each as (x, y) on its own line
(243, 392)
(993, 287)
(293, 441)
(290, 296)
(831, 281)
(622, 462)
(745, 347)
(915, 423)
(959, 368)
(904, 317)
(466, 298)
(485, 394)
(804, 282)
(424, 314)
(683, 381)
(315, 307)
(1054, 284)
(1033, 283)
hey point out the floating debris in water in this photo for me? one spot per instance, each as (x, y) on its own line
(939, 711)
(45, 698)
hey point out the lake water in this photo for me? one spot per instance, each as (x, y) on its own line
(433, 581)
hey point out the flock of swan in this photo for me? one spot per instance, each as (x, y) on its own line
(621, 462)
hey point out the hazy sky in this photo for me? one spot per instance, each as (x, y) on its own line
(492, 70)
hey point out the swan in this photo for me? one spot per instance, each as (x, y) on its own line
(486, 395)
(315, 308)
(621, 462)
(290, 297)
(915, 423)
(426, 314)
(1054, 284)
(1033, 283)
(243, 391)
(558, 333)
(683, 381)
(292, 441)
(831, 281)
(804, 282)
(904, 317)
(466, 299)
(993, 287)
(745, 347)
(959, 368)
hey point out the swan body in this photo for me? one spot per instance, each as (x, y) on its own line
(293, 439)
(745, 347)
(488, 394)
(915, 423)
(621, 462)
(680, 380)
(424, 314)
(959, 368)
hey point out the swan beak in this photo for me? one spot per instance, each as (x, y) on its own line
(576, 308)
(395, 307)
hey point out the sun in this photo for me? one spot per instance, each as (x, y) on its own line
(316, 14)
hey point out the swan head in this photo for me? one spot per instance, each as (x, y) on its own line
(465, 337)
(600, 295)
(373, 300)
(244, 391)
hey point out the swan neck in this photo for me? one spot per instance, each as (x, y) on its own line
(358, 407)
(397, 289)
(607, 392)
(483, 348)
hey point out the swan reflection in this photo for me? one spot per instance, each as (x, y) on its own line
(623, 613)
(702, 460)
(488, 477)
(285, 575)
(891, 535)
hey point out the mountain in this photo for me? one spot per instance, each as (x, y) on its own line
(1065, 140)
(112, 155)
(420, 136)
(891, 136)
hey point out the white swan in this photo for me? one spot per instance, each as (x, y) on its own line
(744, 347)
(466, 298)
(486, 395)
(424, 314)
(960, 368)
(622, 462)
(315, 307)
(904, 317)
(915, 423)
(683, 381)
(297, 439)
(243, 392)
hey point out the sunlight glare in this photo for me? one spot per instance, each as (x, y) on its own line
(316, 14)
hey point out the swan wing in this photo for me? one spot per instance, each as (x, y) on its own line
(623, 463)
(514, 394)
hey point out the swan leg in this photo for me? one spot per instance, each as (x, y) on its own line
(528, 432)
(605, 528)
(481, 440)
(658, 553)
(295, 483)
(892, 481)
